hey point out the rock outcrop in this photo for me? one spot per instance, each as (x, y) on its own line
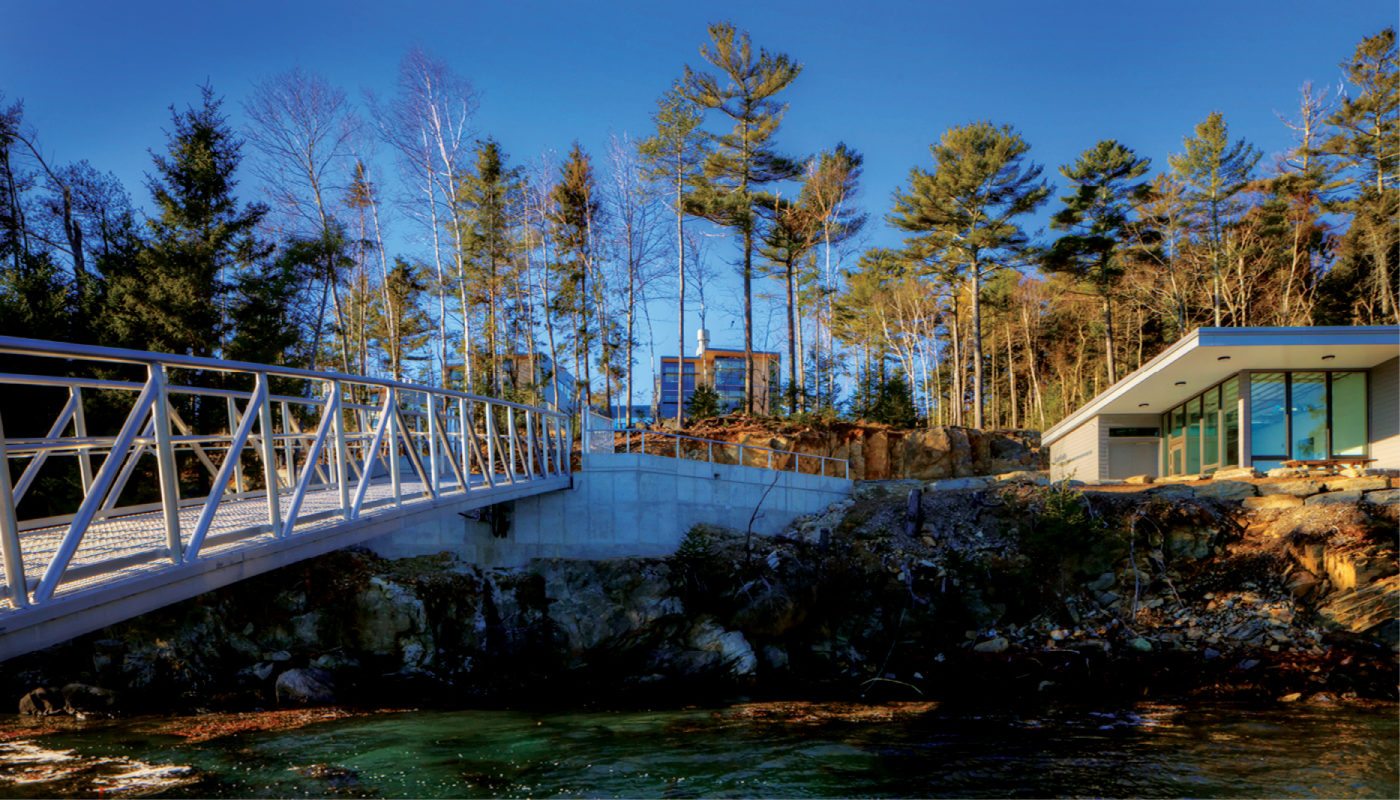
(1019, 586)
(875, 452)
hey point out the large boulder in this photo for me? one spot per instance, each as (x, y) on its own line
(1228, 491)
(80, 698)
(386, 612)
(607, 607)
(729, 651)
(305, 687)
(41, 702)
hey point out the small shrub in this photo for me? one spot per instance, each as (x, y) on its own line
(703, 403)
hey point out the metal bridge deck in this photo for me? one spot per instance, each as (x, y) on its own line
(348, 457)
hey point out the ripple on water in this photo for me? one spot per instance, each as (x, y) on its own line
(761, 749)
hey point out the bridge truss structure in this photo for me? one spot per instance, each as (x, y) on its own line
(130, 480)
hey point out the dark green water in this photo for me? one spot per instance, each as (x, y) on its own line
(764, 750)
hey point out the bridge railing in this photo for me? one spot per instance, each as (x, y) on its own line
(715, 451)
(127, 459)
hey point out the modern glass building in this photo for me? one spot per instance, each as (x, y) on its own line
(722, 369)
(1226, 397)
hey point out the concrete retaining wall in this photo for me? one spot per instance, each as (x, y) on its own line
(624, 504)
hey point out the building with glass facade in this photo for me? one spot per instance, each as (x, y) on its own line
(1227, 397)
(721, 369)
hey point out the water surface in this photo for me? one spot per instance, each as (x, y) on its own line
(760, 750)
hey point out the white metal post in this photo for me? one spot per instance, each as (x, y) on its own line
(165, 462)
(394, 432)
(431, 401)
(490, 440)
(510, 441)
(80, 431)
(288, 446)
(334, 404)
(268, 447)
(233, 422)
(9, 533)
(530, 465)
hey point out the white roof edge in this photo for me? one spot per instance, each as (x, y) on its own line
(1223, 337)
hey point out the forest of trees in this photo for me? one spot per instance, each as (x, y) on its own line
(975, 320)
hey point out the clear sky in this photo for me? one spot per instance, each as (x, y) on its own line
(885, 77)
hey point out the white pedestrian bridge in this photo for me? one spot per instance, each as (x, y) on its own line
(132, 480)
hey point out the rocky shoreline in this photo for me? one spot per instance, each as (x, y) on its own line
(988, 591)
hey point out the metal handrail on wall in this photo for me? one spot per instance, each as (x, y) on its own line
(333, 433)
(840, 467)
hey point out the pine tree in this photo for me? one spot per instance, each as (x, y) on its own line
(743, 159)
(673, 156)
(967, 209)
(1214, 172)
(175, 296)
(572, 219)
(1368, 144)
(484, 199)
(1104, 185)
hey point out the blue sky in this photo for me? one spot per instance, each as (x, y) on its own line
(887, 78)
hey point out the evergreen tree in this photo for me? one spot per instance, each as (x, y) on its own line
(1366, 286)
(175, 295)
(743, 159)
(485, 200)
(572, 218)
(673, 156)
(967, 209)
(1214, 171)
(1104, 184)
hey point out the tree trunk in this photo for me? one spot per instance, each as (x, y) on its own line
(748, 317)
(975, 278)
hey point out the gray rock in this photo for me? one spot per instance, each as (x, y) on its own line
(1288, 472)
(1272, 501)
(263, 670)
(1141, 645)
(735, 653)
(305, 687)
(1295, 488)
(82, 698)
(997, 645)
(1350, 497)
(1226, 490)
(776, 658)
(277, 656)
(1235, 473)
(1024, 477)
(1387, 497)
(1172, 491)
(957, 484)
(1102, 583)
(1357, 484)
(384, 612)
(41, 702)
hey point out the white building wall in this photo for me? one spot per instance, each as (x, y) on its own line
(625, 504)
(1108, 421)
(1076, 454)
(1385, 414)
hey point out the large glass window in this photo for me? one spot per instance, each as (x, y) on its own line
(1348, 413)
(1268, 414)
(1193, 435)
(1309, 416)
(1210, 430)
(1230, 419)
